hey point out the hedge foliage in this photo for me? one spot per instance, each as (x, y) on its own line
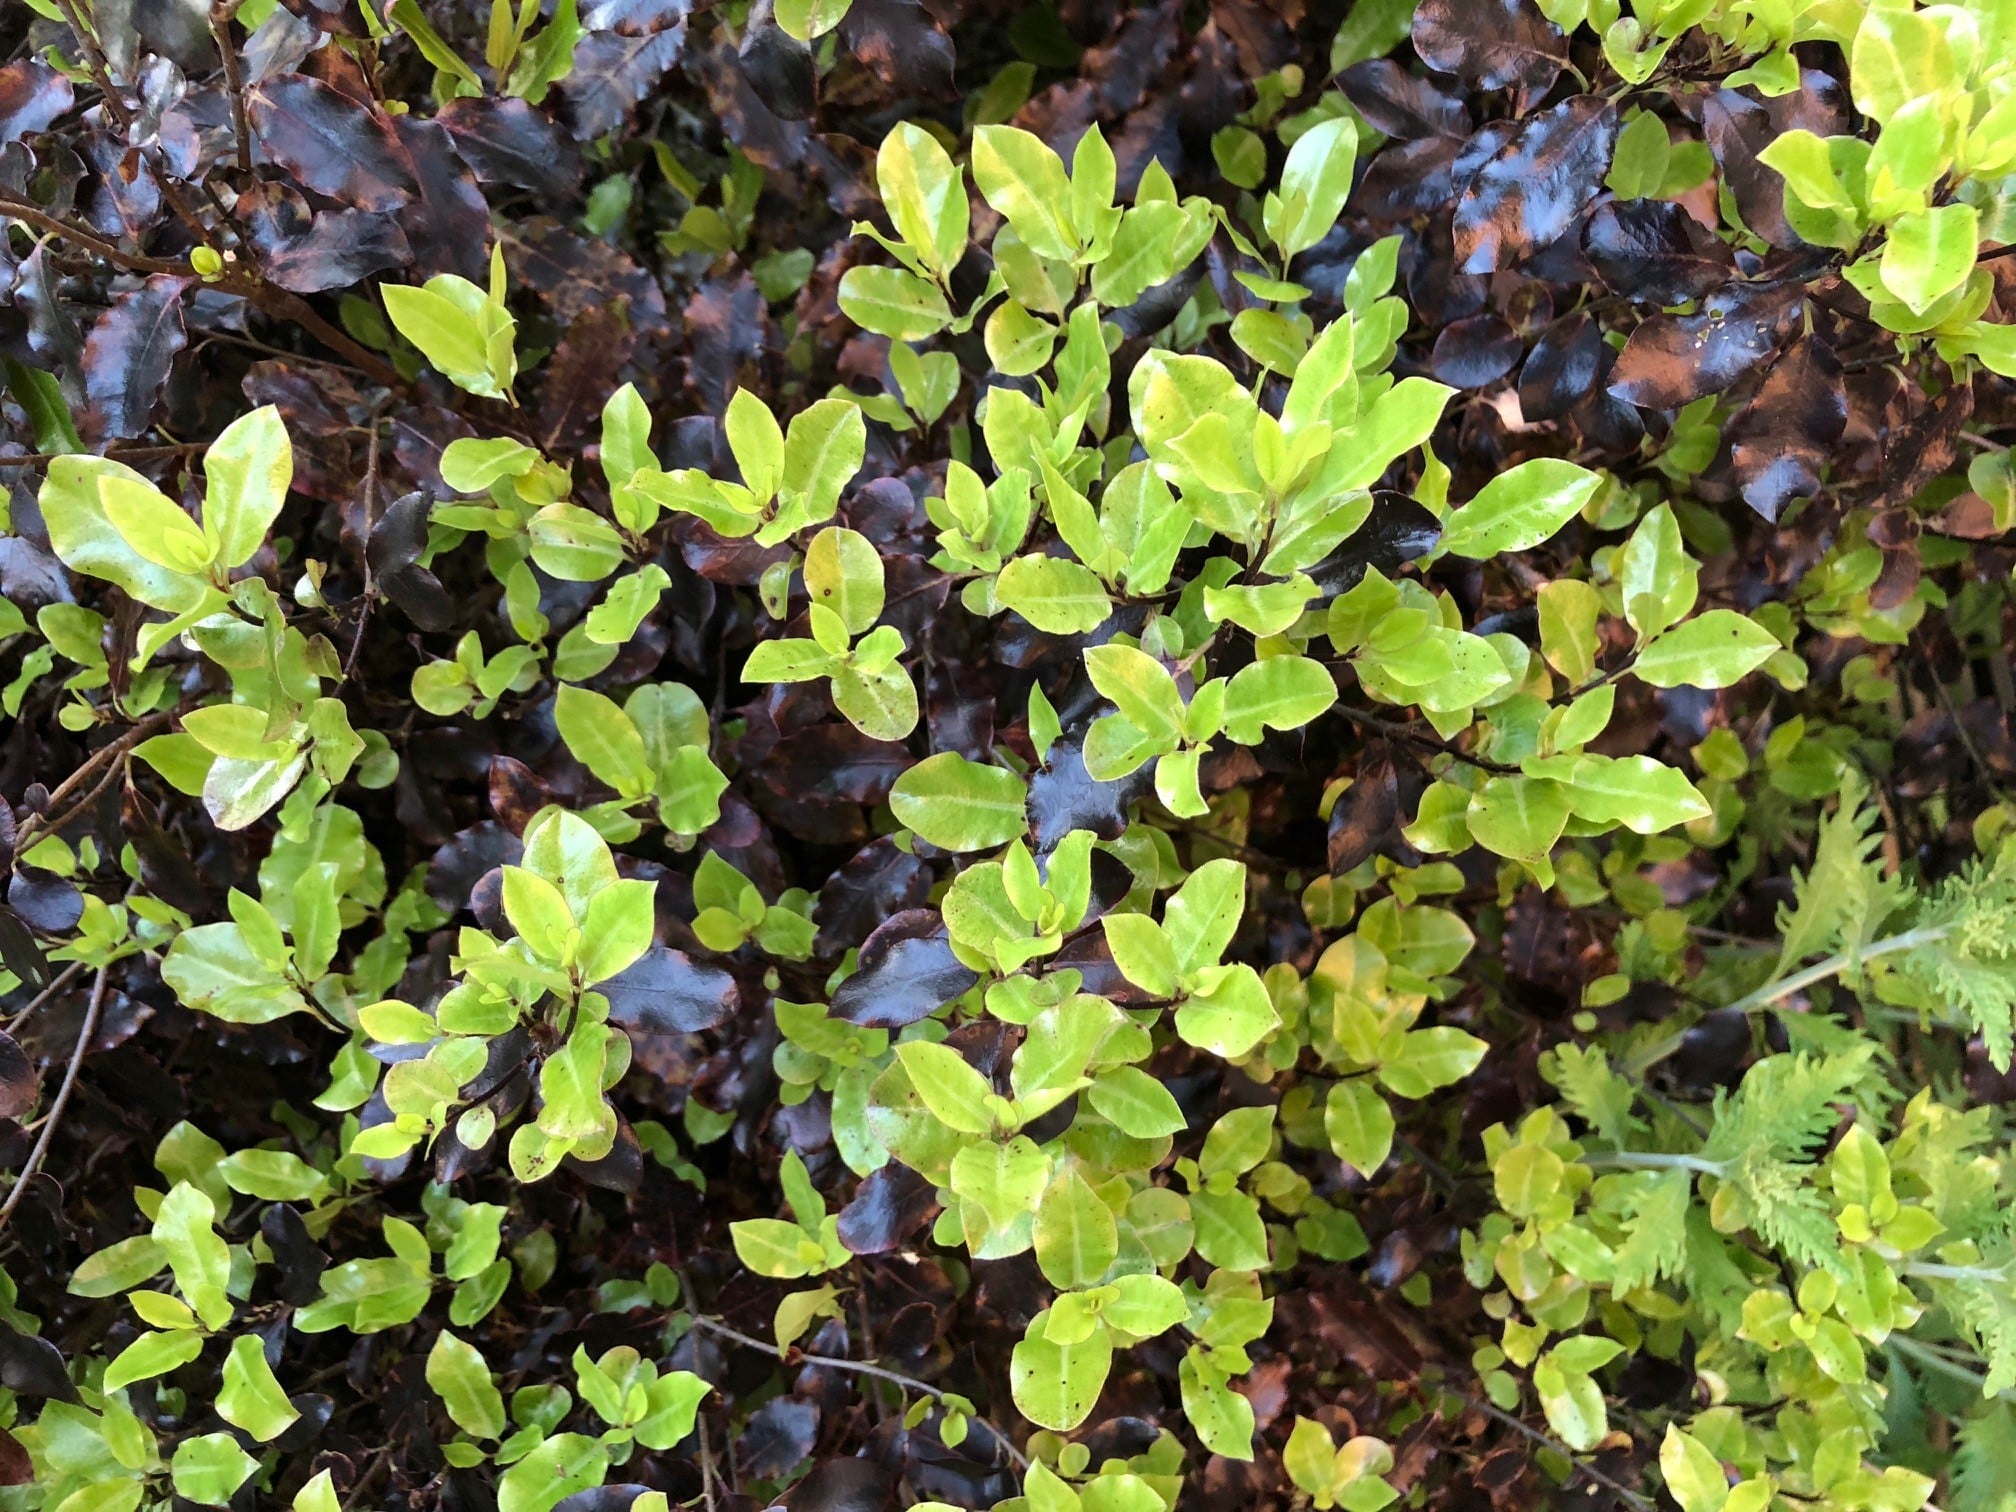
(1115, 758)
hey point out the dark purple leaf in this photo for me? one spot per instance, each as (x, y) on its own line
(516, 793)
(128, 355)
(508, 142)
(1654, 252)
(887, 1210)
(1530, 192)
(1405, 106)
(47, 903)
(843, 1485)
(779, 67)
(1493, 44)
(459, 865)
(1396, 532)
(297, 1256)
(331, 143)
(19, 950)
(879, 880)
(666, 991)
(779, 1437)
(332, 251)
(1408, 179)
(1063, 796)
(32, 95)
(16, 1467)
(908, 972)
(1672, 360)
(33, 1367)
(1781, 441)
(617, 1498)
(397, 540)
(835, 763)
(449, 223)
(726, 323)
(612, 72)
(1738, 128)
(1563, 366)
(1475, 352)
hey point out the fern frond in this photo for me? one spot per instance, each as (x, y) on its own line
(1594, 1093)
(1653, 1205)
(1970, 964)
(1790, 1215)
(1843, 898)
(1983, 1475)
(1786, 1105)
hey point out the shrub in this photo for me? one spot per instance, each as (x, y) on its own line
(1260, 761)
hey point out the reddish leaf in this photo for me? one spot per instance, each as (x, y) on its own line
(1672, 360)
(908, 972)
(902, 44)
(1405, 106)
(508, 142)
(1782, 439)
(612, 72)
(1493, 44)
(889, 1207)
(666, 991)
(1475, 352)
(19, 1084)
(128, 355)
(32, 96)
(331, 143)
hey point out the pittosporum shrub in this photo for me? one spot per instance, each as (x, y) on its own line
(1086, 759)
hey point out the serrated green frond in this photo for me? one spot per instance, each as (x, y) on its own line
(1971, 965)
(1790, 1215)
(1985, 1311)
(1786, 1105)
(1983, 1476)
(1843, 897)
(1594, 1093)
(1654, 1207)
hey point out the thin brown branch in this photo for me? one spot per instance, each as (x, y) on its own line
(221, 14)
(121, 453)
(835, 1362)
(32, 214)
(63, 979)
(108, 753)
(55, 1117)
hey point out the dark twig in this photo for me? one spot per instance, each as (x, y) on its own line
(221, 14)
(110, 752)
(55, 1116)
(835, 1362)
(31, 214)
(1425, 742)
(119, 453)
(1589, 1472)
(63, 979)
